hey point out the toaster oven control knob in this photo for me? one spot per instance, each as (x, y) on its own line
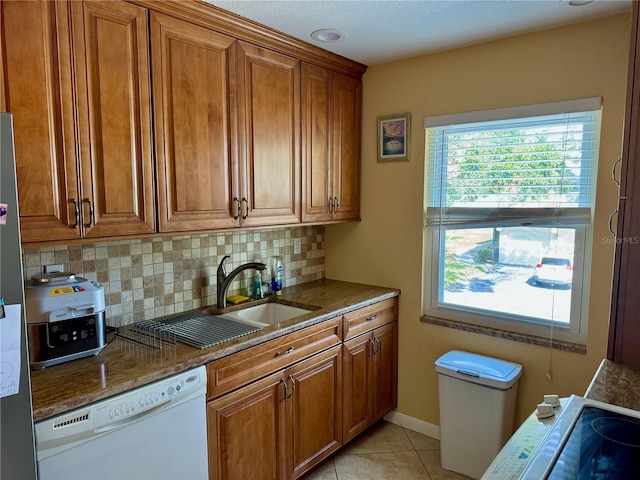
(544, 410)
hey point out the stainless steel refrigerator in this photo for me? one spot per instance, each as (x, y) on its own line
(17, 446)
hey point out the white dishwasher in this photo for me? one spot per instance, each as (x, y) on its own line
(158, 431)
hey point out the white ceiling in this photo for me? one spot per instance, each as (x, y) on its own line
(380, 31)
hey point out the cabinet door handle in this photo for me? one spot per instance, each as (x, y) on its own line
(336, 205)
(76, 213)
(246, 207)
(284, 384)
(613, 214)
(293, 385)
(238, 209)
(284, 352)
(330, 205)
(613, 171)
(372, 350)
(377, 342)
(372, 317)
(88, 202)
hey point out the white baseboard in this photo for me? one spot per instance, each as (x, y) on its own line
(415, 424)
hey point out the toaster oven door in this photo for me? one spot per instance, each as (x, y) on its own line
(51, 343)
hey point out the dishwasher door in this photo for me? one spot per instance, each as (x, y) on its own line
(154, 432)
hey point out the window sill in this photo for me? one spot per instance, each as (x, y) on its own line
(507, 335)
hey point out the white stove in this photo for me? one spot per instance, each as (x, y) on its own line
(584, 439)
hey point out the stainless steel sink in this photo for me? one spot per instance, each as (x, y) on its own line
(265, 314)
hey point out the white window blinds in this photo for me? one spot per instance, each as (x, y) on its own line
(509, 168)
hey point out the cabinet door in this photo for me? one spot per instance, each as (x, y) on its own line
(624, 328)
(317, 91)
(270, 136)
(37, 90)
(314, 418)
(384, 371)
(346, 147)
(194, 83)
(114, 117)
(331, 116)
(246, 432)
(357, 373)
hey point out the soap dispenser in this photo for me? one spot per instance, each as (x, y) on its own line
(258, 293)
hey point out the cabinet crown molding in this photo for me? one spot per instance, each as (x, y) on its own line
(223, 21)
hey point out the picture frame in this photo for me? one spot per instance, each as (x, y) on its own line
(394, 137)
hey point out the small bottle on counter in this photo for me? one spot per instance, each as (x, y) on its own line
(276, 275)
(257, 286)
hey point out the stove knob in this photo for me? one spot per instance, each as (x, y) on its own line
(552, 400)
(544, 410)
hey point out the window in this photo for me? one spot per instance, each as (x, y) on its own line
(508, 199)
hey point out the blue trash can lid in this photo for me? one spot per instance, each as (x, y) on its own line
(479, 369)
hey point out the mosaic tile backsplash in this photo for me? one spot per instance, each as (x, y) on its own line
(153, 277)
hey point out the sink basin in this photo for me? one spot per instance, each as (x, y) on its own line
(265, 314)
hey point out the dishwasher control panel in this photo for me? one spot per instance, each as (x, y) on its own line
(144, 399)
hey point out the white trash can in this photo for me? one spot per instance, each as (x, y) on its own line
(477, 404)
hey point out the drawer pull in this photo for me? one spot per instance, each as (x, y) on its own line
(288, 350)
(372, 317)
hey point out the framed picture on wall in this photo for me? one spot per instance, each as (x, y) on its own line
(394, 140)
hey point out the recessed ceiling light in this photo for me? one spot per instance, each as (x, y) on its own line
(328, 35)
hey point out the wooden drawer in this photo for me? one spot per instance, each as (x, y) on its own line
(367, 318)
(243, 367)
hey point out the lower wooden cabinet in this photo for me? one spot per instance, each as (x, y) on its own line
(370, 378)
(281, 426)
(278, 409)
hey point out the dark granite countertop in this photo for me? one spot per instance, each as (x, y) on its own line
(123, 365)
(616, 384)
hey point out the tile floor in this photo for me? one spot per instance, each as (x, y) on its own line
(386, 452)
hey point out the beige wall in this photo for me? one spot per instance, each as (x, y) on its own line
(584, 60)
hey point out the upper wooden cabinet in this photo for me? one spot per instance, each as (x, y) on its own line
(233, 118)
(194, 92)
(269, 143)
(111, 51)
(331, 111)
(77, 85)
(37, 90)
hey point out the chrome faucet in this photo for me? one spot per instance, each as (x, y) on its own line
(224, 280)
